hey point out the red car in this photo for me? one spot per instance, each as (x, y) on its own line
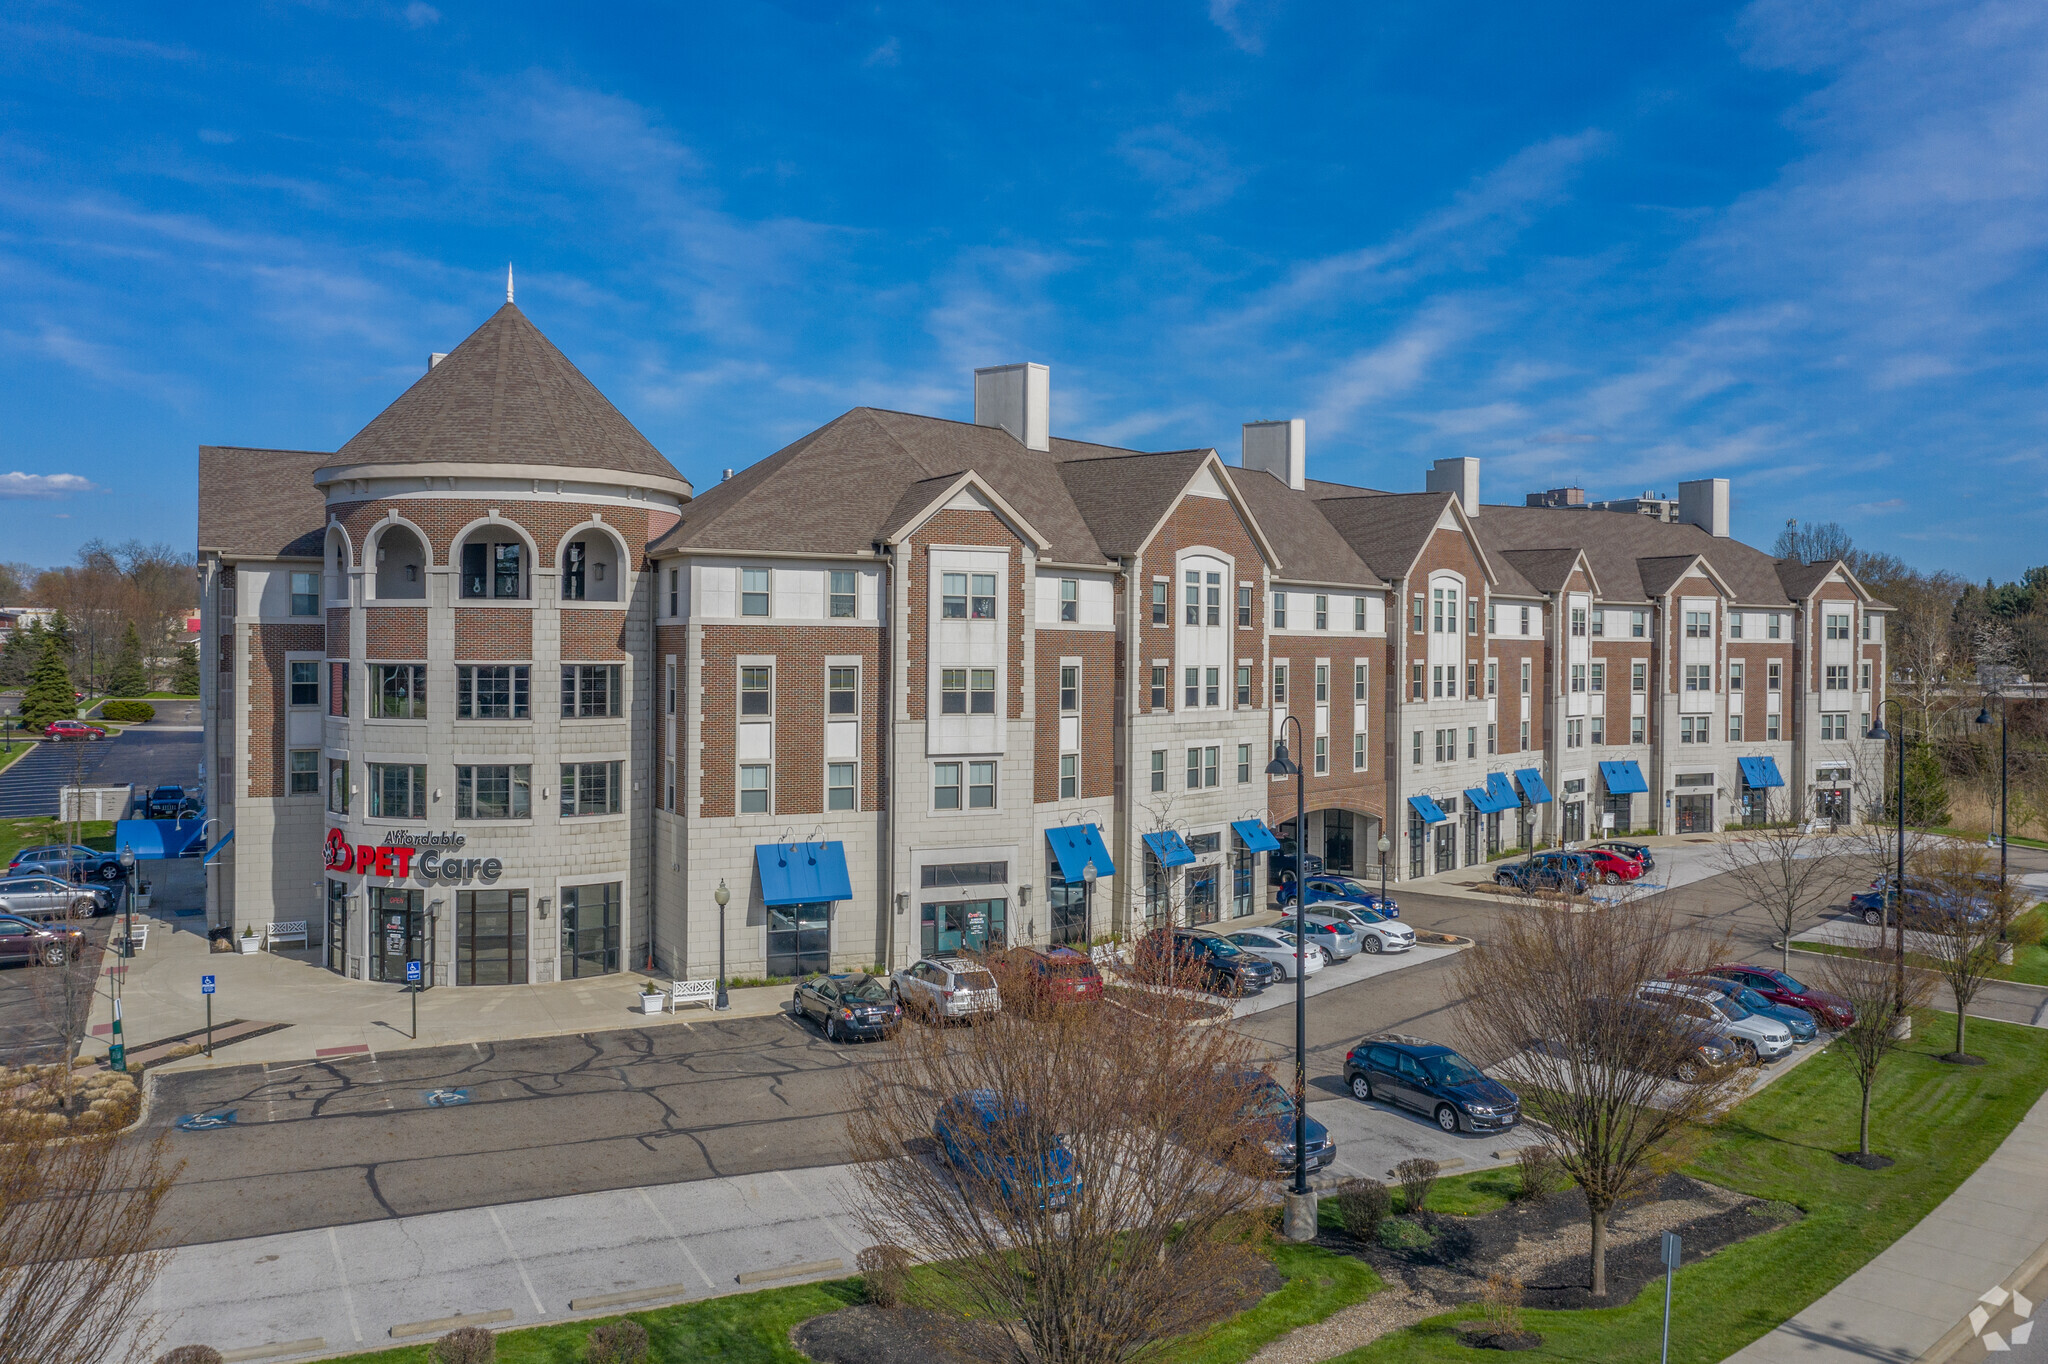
(72, 729)
(1060, 970)
(1780, 988)
(1614, 867)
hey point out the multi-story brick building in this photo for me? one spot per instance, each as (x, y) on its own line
(911, 684)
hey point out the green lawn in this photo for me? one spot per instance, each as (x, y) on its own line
(2029, 960)
(1938, 1121)
(16, 834)
(753, 1328)
(1978, 835)
(22, 748)
(165, 696)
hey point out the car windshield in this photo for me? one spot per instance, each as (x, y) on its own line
(1736, 1013)
(1786, 982)
(865, 988)
(1450, 1069)
(1222, 947)
(1268, 1100)
(977, 980)
(1751, 1000)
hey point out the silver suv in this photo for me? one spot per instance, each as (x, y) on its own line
(1757, 1036)
(45, 897)
(940, 988)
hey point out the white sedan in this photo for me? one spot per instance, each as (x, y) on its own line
(1377, 933)
(1277, 946)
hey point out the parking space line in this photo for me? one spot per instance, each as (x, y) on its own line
(348, 1295)
(518, 1263)
(681, 1244)
(830, 1224)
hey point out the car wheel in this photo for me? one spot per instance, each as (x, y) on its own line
(53, 955)
(1447, 1117)
(1372, 944)
(1612, 878)
(1688, 1070)
(1361, 1088)
(796, 1008)
(1873, 917)
(84, 907)
(110, 872)
(832, 1030)
(1749, 1053)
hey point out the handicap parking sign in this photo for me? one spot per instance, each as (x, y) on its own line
(206, 985)
(412, 973)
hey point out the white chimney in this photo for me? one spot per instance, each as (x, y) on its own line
(1703, 502)
(1017, 398)
(1460, 476)
(436, 358)
(1280, 448)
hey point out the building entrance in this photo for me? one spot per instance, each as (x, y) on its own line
(1693, 814)
(1572, 824)
(1337, 841)
(590, 931)
(398, 934)
(490, 937)
(1446, 846)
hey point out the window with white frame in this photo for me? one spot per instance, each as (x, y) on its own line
(1699, 625)
(952, 596)
(1358, 687)
(1574, 733)
(1734, 726)
(668, 784)
(1638, 624)
(1472, 680)
(845, 594)
(1771, 729)
(1191, 687)
(1774, 676)
(1158, 687)
(1471, 741)
(1599, 728)
(1212, 687)
(840, 785)
(1416, 609)
(1322, 612)
(967, 691)
(1416, 681)
(593, 788)
(1492, 677)
(1863, 676)
(1699, 677)
(494, 791)
(1070, 599)
(1417, 747)
(1279, 610)
(1358, 751)
(1322, 683)
(669, 690)
(1525, 620)
(757, 690)
(1160, 591)
(305, 683)
(1244, 684)
(1736, 675)
(1244, 763)
(1578, 622)
(1492, 739)
(1599, 621)
(1834, 726)
(1070, 687)
(753, 591)
(1692, 729)
(1578, 677)
(304, 771)
(1735, 624)
(842, 691)
(1244, 605)
(1322, 754)
(1358, 614)
(398, 691)
(675, 591)
(1638, 728)
(1773, 626)
(592, 690)
(1070, 775)
(305, 594)
(1835, 677)
(753, 789)
(1191, 596)
(1639, 677)
(1837, 625)
(1597, 677)
(1526, 676)
(1525, 736)
(1446, 745)
(1279, 684)
(1158, 769)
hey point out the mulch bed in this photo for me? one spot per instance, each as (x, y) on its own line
(1545, 1244)
(865, 1334)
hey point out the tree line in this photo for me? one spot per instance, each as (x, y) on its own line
(117, 628)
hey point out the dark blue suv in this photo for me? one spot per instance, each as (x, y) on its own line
(1335, 886)
(1273, 1108)
(1570, 872)
(993, 1144)
(1432, 1079)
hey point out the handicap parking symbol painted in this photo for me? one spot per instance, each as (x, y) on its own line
(444, 1098)
(206, 1122)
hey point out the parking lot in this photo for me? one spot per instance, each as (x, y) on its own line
(147, 755)
(44, 1008)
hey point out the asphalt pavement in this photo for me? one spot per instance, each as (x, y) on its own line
(146, 755)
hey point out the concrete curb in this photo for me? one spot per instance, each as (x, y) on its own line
(1961, 1333)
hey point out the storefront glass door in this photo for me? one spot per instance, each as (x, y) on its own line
(1573, 827)
(590, 930)
(799, 939)
(490, 937)
(1204, 904)
(976, 926)
(1446, 846)
(1694, 814)
(1337, 841)
(398, 934)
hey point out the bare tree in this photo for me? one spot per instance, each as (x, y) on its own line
(1965, 918)
(78, 1209)
(1554, 996)
(1104, 1168)
(1787, 871)
(1926, 660)
(1812, 542)
(1867, 983)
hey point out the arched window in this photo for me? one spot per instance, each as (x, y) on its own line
(494, 563)
(590, 567)
(401, 563)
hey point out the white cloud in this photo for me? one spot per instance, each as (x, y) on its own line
(45, 485)
(420, 15)
(1244, 21)
(888, 52)
(1189, 173)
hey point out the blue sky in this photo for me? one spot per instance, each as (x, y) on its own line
(1799, 244)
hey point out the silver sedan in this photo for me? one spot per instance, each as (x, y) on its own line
(1277, 946)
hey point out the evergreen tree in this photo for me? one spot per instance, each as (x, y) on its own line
(50, 695)
(185, 681)
(18, 656)
(127, 677)
(1926, 788)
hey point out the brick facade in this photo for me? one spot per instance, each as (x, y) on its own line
(487, 634)
(1096, 650)
(395, 633)
(593, 634)
(799, 652)
(269, 645)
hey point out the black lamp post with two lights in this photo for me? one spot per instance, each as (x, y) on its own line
(1299, 1223)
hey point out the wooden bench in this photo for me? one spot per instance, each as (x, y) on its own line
(138, 938)
(294, 929)
(682, 992)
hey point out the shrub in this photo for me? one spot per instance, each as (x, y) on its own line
(1362, 1204)
(128, 712)
(1418, 1176)
(1540, 1171)
(190, 1354)
(1398, 1233)
(1502, 1300)
(469, 1345)
(885, 1270)
(618, 1342)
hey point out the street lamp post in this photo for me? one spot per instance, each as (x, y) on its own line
(1301, 1204)
(1088, 875)
(1386, 846)
(117, 1050)
(1984, 718)
(724, 898)
(1897, 898)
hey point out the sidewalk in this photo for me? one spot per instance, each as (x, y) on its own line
(1904, 1302)
(326, 1015)
(1681, 860)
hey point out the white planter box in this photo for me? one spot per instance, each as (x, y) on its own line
(247, 946)
(651, 1004)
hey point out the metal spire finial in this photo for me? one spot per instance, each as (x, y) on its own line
(508, 281)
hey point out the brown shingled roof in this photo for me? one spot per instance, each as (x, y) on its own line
(1309, 547)
(1625, 549)
(506, 396)
(261, 503)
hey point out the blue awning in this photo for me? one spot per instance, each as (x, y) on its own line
(214, 851)
(1427, 808)
(1170, 848)
(1501, 791)
(803, 873)
(1486, 803)
(1074, 846)
(157, 837)
(1624, 778)
(1760, 772)
(1532, 785)
(1257, 837)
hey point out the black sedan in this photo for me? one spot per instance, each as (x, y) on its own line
(847, 1006)
(1432, 1079)
(1223, 968)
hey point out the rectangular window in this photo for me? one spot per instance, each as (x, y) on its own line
(1416, 682)
(1836, 677)
(1638, 624)
(1279, 684)
(842, 691)
(669, 784)
(1575, 734)
(1525, 620)
(1212, 687)
(753, 789)
(1699, 677)
(1244, 684)
(1772, 626)
(1834, 727)
(1525, 676)
(1599, 621)
(1214, 598)
(1358, 688)
(1322, 754)
(1492, 679)
(1191, 688)
(981, 786)
(1734, 726)
(1244, 763)
(1158, 769)
(1735, 625)
(1244, 605)
(305, 684)
(845, 604)
(753, 591)
(305, 594)
(839, 786)
(1279, 610)
(669, 691)
(1492, 739)
(757, 694)
(1471, 615)
(1436, 611)
(1070, 775)
(1639, 677)
(398, 791)
(1863, 676)
(1578, 622)
(1492, 616)
(675, 576)
(1322, 612)
(1415, 609)
(1837, 626)
(1191, 597)
(983, 605)
(1440, 754)
(398, 691)
(1417, 748)
(1866, 625)
(1525, 736)
(498, 792)
(1159, 591)
(304, 767)
(1358, 614)
(1774, 676)
(337, 786)
(1599, 723)
(1070, 687)
(1472, 680)
(1471, 741)
(966, 691)
(1771, 727)
(1638, 728)
(1436, 682)
(952, 596)
(1158, 688)
(1358, 751)
(1209, 766)
(1735, 675)
(591, 691)
(1578, 677)
(575, 561)
(1598, 677)
(497, 692)
(1322, 683)
(1692, 729)
(1194, 769)
(1699, 625)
